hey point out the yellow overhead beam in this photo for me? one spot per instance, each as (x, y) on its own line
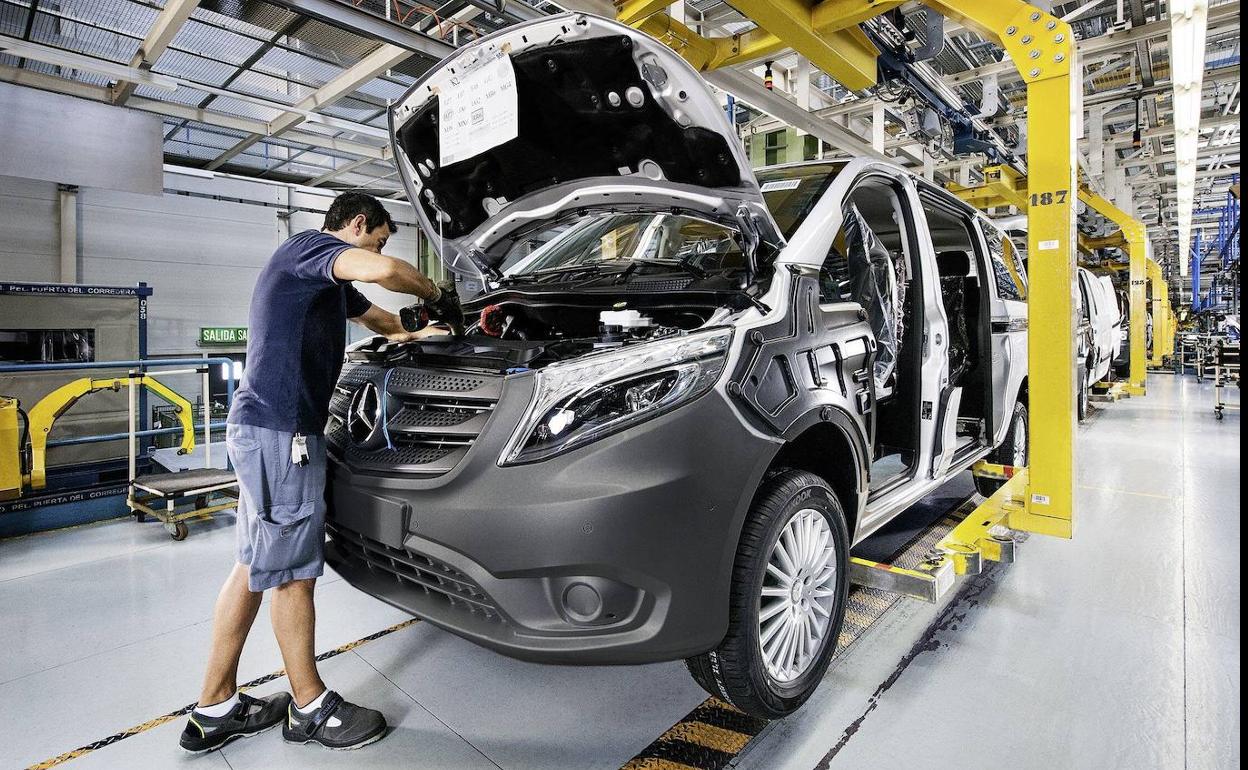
(1115, 241)
(838, 47)
(846, 54)
(1002, 186)
(632, 12)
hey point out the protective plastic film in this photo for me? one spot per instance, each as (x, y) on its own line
(874, 284)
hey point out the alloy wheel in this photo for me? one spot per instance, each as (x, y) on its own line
(1020, 441)
(798, 596)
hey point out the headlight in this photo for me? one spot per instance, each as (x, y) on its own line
(582, 401)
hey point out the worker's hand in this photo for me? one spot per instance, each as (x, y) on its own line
(446, 308)
(432, 330)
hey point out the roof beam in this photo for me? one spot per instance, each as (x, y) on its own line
(74, 60)
(1167, 132)
(348, 168)
(32, 79)
(369, 25)
(158, 38)
(384, 58)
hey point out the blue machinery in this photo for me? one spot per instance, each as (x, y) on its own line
(1226, 251)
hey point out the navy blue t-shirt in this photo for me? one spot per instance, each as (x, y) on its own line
(296, 336)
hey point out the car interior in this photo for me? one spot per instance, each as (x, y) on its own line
(872, 263)
(959, 262)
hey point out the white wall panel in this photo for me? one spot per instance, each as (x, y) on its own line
(200, 256)
(29, 222)
(200, 252)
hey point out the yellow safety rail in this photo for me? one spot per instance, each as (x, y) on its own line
(45, 413)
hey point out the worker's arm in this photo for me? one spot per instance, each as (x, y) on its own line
(387, 272)
(383, 322)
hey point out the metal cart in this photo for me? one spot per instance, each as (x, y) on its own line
(174, 497)
(1225, 374)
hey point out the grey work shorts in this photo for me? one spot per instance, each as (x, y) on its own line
(281, 506)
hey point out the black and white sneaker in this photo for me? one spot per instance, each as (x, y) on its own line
(337, 724)
(250, 717)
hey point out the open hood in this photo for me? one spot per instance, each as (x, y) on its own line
(566, 114)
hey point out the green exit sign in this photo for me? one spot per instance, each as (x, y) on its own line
(223, 335)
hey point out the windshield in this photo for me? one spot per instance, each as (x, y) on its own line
(792, 192)
(621, 239)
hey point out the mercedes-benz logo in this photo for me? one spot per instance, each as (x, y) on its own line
(364, 415)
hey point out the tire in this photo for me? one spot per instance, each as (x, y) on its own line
(738, 670)
(180, 531)
(1081, 401)
(1004, 454)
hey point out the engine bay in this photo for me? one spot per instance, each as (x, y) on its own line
(522, 328)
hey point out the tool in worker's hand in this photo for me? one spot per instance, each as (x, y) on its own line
(445, 308)
(414, 317)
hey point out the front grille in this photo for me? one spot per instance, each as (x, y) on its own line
(437, 579)
(435, 416)
(414, 379)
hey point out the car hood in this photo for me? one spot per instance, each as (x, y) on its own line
(561, 115)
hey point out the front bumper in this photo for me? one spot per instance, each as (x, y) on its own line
(618, 552)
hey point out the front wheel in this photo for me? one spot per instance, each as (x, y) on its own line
(1013, 451)
(1081, 407)
(790, 583)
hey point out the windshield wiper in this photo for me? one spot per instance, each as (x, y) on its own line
(683, 264)
(537, 275)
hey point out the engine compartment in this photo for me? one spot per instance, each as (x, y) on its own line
(526, 328)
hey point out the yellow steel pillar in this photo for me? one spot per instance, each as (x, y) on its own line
(1136, 237)
(1043, 48)
(1163, 316)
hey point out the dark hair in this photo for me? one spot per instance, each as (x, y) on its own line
(350, 205)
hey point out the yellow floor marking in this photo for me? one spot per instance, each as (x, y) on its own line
(173, 715)
(656, 764)
(710, 736)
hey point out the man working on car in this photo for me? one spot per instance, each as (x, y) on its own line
(302, 300)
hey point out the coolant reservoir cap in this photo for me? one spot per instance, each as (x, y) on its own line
(625, 319)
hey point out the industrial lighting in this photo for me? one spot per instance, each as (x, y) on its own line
(769, 80)
(1189, 21)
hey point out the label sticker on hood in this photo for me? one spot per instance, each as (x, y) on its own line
(478, 109)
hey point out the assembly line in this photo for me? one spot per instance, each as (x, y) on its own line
(643, 385)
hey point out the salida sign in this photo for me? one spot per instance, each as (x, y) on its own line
(223, 335)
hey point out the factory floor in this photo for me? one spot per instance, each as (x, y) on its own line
(1117, 649)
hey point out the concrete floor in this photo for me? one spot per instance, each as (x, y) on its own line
(1117, 649)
